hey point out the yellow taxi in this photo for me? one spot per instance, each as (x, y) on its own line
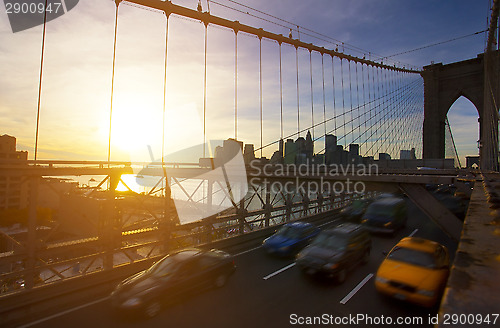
(415, 270)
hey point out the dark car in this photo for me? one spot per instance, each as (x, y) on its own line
(174, 276)
(354, 211)
(335, 251)
(445, 194)
(386, 215)
(290, 238)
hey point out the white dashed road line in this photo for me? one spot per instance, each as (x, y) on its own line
(356, 289)
(414, 232)
(279, 271)
(364, 281)
(320, 225)
(247, 251)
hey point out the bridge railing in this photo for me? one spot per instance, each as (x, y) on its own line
(36, 253)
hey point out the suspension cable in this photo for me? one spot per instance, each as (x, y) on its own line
(333, 91)
(40, 81)
(394, 109)
(281, 96)
(324, 100)
(369, 94)
(364, 92)
(384, 118)
(205, 95)
(408, 87)
(235, 85)
(377, 138)
(375, 100)
(357, 95)
(350, 94)
(260, 96)
(343, 98)
(112, 82)
(298, 98)
(312, 98)
(164, 106)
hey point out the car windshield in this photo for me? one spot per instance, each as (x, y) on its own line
(414, 257)
(165, 267)
(330, 241)
(289, 232)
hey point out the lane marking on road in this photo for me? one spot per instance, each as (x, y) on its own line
(356, 289)
(63, 313)
(247, 251)
(279, 271)
(320, 225)
(414, 232)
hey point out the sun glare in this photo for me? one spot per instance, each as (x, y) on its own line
(136, 127)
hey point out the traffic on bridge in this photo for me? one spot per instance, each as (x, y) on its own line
(268, 289)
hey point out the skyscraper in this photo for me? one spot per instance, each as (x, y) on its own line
(309, 147)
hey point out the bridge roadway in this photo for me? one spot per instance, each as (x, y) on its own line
(249, 300)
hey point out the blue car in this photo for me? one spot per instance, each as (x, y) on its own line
(290, 238)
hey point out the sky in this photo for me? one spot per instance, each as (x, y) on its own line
(77, 70)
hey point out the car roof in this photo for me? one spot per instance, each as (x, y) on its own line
(298, 225)
(419, 244)
(345, 228)
(389, 201)
(185, 254)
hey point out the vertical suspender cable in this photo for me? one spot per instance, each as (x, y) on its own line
(333, 90)
(364, 94)
(40, 81)
(281, 96)
(385, 108)
(205, 95)
(235, 84)
(375, 105)
(164, 109)
(298, 97)
(392, 122)
(357, 97)
(411, 121)
(369, 97)
(260, 95)
(377, 136)
(117, 3)
(399, 84)
(324, 100)
(343, 101)
(404, 118)
(400, 113)
(391, 135)
(415, 105)
(312, 97)
(350, 100)
(404, 113)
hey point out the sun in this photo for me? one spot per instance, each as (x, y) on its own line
(137, 126)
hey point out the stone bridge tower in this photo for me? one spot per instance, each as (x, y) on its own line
(443, 85)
